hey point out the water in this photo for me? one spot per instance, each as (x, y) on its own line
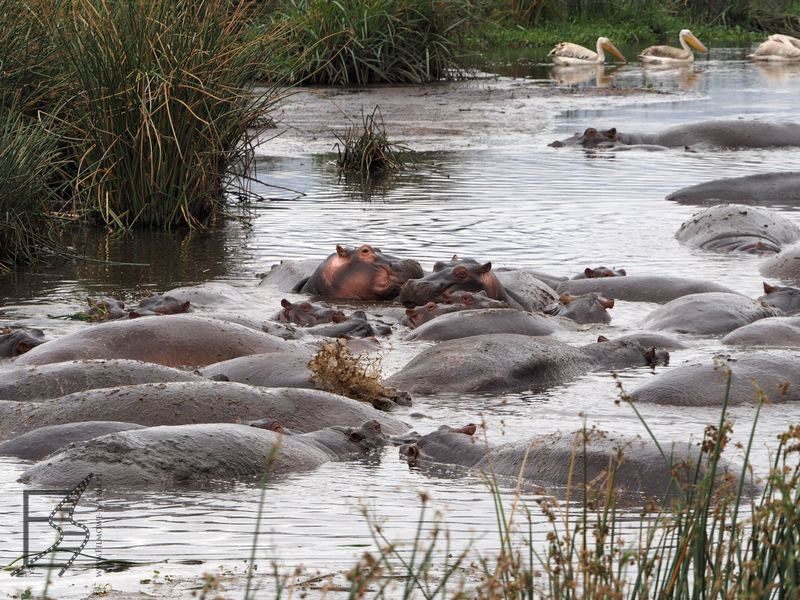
(516, 204)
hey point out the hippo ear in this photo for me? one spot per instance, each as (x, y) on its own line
(411, 452)
(612, 133)
(338, 317)
(185, 306)
(565, 299)
(438, 266)
(484, 268)
(650, 357)
(134, 315)
(342, 251)
(356, 436)
(430, 306)
(21, 347)
(447, 297)
(601, 339)
(455, 258)
(411, 312)
(286, 304)
(469, 429)
(770, 289)
(589, 273)
(622, 272)
(590, 132)
(606, 302)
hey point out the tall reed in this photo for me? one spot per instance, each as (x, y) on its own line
(160, 104)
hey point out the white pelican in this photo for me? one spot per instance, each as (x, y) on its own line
(668, 54)
(567, 53)
(778, 48)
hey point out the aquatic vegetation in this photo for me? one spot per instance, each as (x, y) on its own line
(354, 42)
(160, 105)
(366, 151)
(28, 163)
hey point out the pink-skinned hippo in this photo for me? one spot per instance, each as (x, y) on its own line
(363, 273)
(307, 314)
(774, 332)
(193, 455)
(451, 302)
(640, 288)
(40, 382)
(585, 309)
(459, 274)
(639, 465)
(507, 362)
(38, 443)
(16, 341)
(483, 321)
(704, 383)
(784, 266)
(707, 314)
(738, 228)
(172, 340)
(179, 403)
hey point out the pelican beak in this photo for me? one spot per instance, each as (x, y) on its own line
(609, 47)
(695, 43)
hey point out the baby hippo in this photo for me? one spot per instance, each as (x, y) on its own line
(587, 308)
(307, 314)
(14, 342)
(598, 272)
(451, 302)
(159, 305)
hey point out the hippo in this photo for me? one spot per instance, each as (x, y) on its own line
(24, 383)
(160, 305)
(105, 308)
(172, 340)
(511, 363)
(189, 455)
(179, 403)
(16, 341)
(472, 300)
(483, 321)
(772, 332)
(649, 340)
(712, 313)
(363, 273)
(730, 134)
(597, 272)
(639, 467)
(704, 383)
(38, 443)
(356, 325)
(451, 302)
(460, 274)
(289, 275)
(738, 228)
(307, 314)
(588, 308)
(209, 295)
(785, 266)
(787, 299)
(276, 369)
(640, 288)
(762, 189)
(286, 331)
(548, 279)
(531, 293)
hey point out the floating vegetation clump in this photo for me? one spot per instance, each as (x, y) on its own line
(335, 369)
(366, 152)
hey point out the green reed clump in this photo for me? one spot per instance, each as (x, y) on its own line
(160, 105)
(354, 42)
(29, 161)
(366, 151)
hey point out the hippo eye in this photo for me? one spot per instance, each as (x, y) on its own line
(305, 306)
(460, 273)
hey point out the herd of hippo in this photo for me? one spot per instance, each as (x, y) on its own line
(212, 382)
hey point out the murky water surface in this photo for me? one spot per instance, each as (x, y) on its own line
(523, 205)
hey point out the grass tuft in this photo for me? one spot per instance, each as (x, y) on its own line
(366, 152)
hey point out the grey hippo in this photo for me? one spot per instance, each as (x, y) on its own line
(714, 313)
(785, 266)
(785, 298)
(483, 321)
(307, 314)
(762, 189)
(36, 444)
(173, 341)
(641, 288)
(179, 403)
(775, 332)
(105, 308)
(160, 305)
(704, 383)
(19, 340)
(188, 455)
(40, 382)
(639, 465)
(512, 362)
(738, 228)
(584, 309)
(731, 134)
(275, 369)
(597, 272)
(451, 302)
(363, 273)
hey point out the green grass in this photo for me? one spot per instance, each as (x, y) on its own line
(365, 151)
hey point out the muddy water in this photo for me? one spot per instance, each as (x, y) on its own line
(515, 203)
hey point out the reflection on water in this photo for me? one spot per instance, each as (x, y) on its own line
(558, 210)
(593, 75)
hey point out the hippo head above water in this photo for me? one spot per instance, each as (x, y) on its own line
(363, 273)
(590, 138)
(598, 272)
(14, 342)
(586, 308)
(307, 314)
(457, 275)
(445, 441)
(783, 297)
